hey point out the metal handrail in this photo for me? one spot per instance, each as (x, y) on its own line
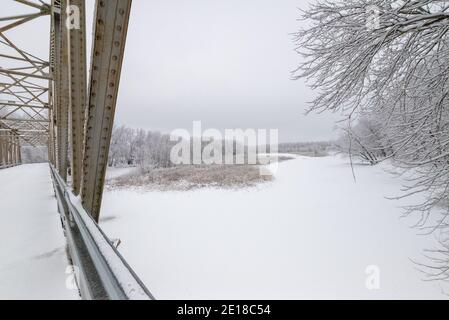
(101, 271)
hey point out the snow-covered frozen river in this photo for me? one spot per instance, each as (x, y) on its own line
(312, 233)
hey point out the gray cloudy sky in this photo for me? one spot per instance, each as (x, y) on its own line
(226, 63)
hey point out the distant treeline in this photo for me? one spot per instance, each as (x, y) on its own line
(148, 149)
(315, 149)
(151, 149)
(138, 147)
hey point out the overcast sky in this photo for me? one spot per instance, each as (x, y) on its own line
(226, 63)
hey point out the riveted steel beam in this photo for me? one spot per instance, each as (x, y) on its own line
(61, 88)
(78, 91)
(111, 26)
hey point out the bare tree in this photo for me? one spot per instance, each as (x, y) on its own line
(387, 60)
(145, 149)
(366, 141)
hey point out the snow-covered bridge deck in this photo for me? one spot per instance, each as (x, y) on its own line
(33, 260)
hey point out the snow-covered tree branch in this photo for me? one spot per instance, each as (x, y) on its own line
(388, 73)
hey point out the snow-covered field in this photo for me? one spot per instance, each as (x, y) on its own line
(33, 261)
(311, 233)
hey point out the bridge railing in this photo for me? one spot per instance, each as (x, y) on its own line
(100, 270)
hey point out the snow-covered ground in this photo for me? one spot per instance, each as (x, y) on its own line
(33, 261)
(113, 172)
(311, 233)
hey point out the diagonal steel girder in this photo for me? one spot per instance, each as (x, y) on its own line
(24, 80)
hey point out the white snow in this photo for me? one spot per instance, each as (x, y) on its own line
(311, 233)
(113, 172)
(33, 261)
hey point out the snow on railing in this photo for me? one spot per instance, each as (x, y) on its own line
(102, 271)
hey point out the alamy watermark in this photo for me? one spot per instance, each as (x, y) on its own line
(73, 21)
(373, 277)
(233, 147)
(73, 274)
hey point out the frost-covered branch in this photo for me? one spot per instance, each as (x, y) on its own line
(389, 73)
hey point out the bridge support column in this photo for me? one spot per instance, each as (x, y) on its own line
(111, 26)
(19, 151)
(10, 153)
(14, 150)
(51, 145)
(81, 125)
(61, 88)
(78, 92)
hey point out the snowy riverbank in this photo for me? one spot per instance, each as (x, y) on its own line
(311, 233)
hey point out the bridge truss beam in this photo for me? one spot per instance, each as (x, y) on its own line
(49, 102)
(111, 25)
(23, 88)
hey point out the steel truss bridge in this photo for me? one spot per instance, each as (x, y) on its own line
(52, 103)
